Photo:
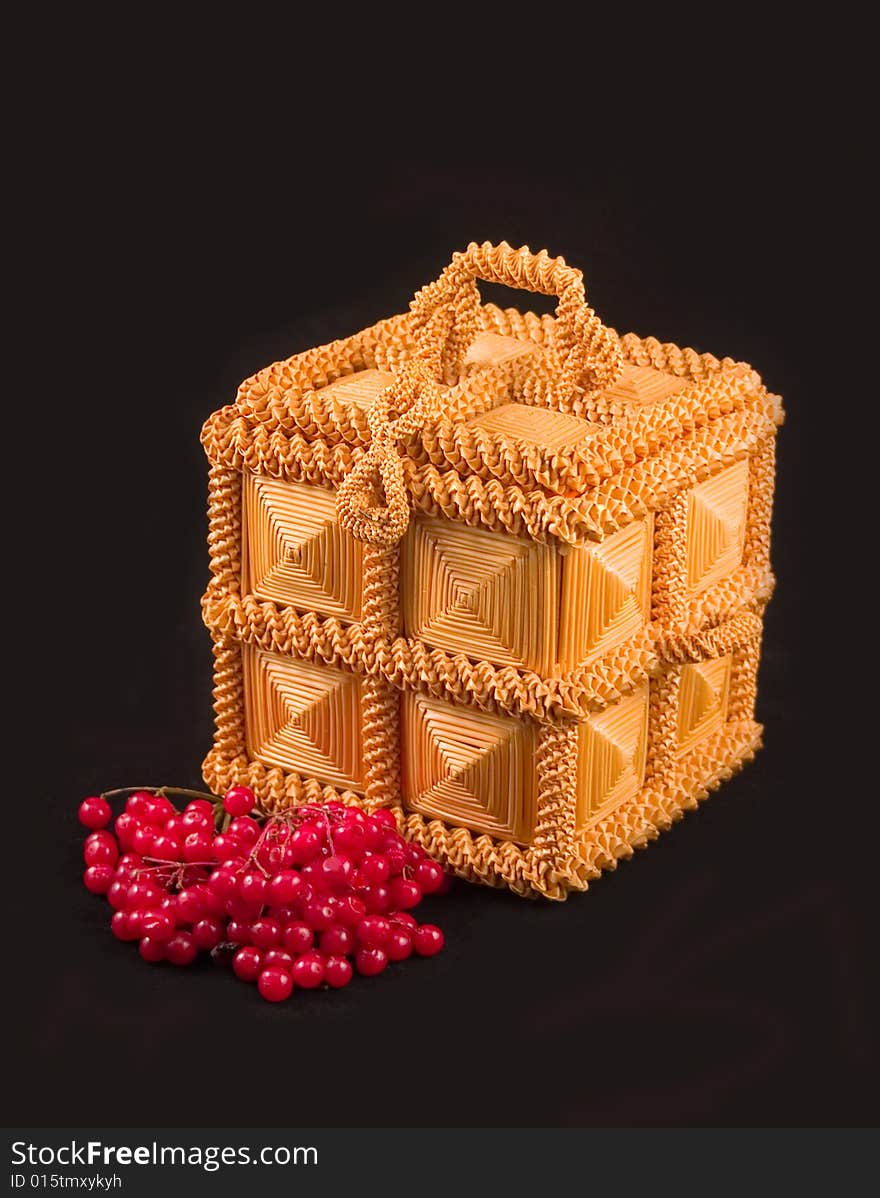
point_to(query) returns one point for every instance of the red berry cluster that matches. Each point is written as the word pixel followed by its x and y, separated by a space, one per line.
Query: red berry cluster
pixel 292 900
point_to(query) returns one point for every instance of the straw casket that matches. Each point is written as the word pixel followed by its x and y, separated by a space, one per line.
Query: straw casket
pixel 503 572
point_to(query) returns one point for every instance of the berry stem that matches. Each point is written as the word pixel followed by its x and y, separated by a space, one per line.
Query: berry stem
pixel 163 790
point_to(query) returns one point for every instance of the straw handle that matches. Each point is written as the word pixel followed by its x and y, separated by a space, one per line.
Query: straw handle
pixel 446 315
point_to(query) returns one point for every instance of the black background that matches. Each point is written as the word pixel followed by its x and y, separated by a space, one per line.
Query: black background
pixel 193 225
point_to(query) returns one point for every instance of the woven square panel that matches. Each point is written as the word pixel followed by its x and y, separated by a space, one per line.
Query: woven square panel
pixel 606 593
pixel 473 592
pixel 702 701
pixel 296 552
pixel 716 525
pixel 611 757
pixel 304 718
pixel 468 767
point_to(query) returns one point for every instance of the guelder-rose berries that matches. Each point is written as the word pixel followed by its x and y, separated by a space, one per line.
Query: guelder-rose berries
pixel 308 971
pixel 337 972
pixel 293 903
pixel 238 800
pixel 370 961
pixel 98 878
pixel 247 963
pixel 427 940
pixel 275 984
pixel 94 812
pixel 181 949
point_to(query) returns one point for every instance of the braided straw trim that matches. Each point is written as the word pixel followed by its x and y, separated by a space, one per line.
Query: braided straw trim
pixel 480 859
pixel 283 394
pixel 737 632
pixel 624 497
pixel 450 441
pixel 632 825
pixel 409 664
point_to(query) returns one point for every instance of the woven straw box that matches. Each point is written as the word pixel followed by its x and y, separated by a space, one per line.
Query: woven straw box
pixel 503 572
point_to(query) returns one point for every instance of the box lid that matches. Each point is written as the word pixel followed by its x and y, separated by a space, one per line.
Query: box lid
pixel 574 423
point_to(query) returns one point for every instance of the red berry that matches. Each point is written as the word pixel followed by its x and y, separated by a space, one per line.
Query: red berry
pixel 142 839
pixel 337 941
pixel 311 874
pixel 275 857
pixel 139 803
pixel 386 817
pixel 238 800
pixel 336 871
pixel 399 945
pixel 152 950
pixel 144 895
pixel 226 847
pixel 304 845
pixel 377 899
pixel 166 848
pixel 181 949
pixel 374 869
pixel 370 961
pixel 125 826
pixel 247 963
pixel 224 882
pixel 374 834
pixel 351 839
pixel 158 925
pixel 190 905
pixel 207 933
pixel 318 914
pixel 117 894
pixel 101 836
pixel 374 931
pixel 396 858
pixel 212 905
pixel 253 887
pixel 429 876
pixel 308 971
pixel 196 821
pixel 204 806
pixel 275 984
pixel 164 806
pixel 120 926
pixel 128 865
pixel 427 940
pixel 154 812
pixel 405 894
pixel 279 957
pixel 403 920
pixel 98 878
pixel 135 923
pixel 285 887
pixel 100 852
pixel 266 933
pixel 350 910
pixel 94 812
pixel 337 972
pixel 197 847
pixel 245 829
pixel 297 937
pixel 238 932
